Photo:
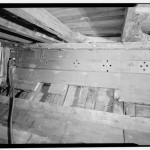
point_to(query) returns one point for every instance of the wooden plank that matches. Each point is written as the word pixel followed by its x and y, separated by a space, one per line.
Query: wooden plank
pixel 129 109
pixel 135 17
pixel 71 113
pixel 37 97
pixel 60 97
pixel 98 16
pixel 91 98
pixel 82 97
pixel 80 132
pixel 37 19
pixel 76 96
pixel 93 46
pixel 133 87
pixel 103 23
pixel 1 64
pixel 57 88
pixel 15 28
pixel 141 138
pixel 86 11
pixel 95 55
pixel 13 38
pixel 56 129
pixel 36 91
pixel 143 111
pixel 70 96
pixel 50 98
pixel 118 107
pixel 5 58
pixel 21 137
pixel 86 65
pixel 104 100
pixel 95 79
pixel 51 24
pixel 25 85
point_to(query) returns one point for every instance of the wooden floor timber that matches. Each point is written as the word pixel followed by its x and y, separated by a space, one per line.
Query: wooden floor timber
pixel 133 87
pixel 75 123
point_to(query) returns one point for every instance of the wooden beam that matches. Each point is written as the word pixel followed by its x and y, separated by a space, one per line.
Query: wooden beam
pixel 42 18
pixel 45 20
pixel 58 126
pixel 132 61
pixel 13 38
pixel 42 110
pixel 91 46
pixel 133 87
pixel 22 136
pixel 15 28
pixel 134 18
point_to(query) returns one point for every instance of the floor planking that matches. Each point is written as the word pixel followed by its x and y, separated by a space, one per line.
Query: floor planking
pixel 94 96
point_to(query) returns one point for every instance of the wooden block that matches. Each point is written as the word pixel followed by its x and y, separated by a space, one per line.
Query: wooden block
pixel 83 97
pixel 118 107
pixel 59 98
pixel 70 96
pixel 57 88
pixel 91 98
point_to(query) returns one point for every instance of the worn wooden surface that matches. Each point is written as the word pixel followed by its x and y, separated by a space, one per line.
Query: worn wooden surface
pixel 57 127
pixel 105 118
pixel 135 16
pixel 16 28
pixel 90 46
pixel 132 136
pixel 120 61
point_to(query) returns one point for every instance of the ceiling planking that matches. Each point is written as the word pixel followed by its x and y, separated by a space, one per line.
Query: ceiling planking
pixel 92 21
pixel 89 21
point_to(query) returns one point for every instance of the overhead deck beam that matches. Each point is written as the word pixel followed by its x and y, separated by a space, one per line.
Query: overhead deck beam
pixel 13 38
pixel 42 18
pixel 91 46
pixel 134 18
pixel 15 28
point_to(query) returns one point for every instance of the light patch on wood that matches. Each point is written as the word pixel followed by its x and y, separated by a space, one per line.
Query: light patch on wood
pixel 70 96
pixel 57 88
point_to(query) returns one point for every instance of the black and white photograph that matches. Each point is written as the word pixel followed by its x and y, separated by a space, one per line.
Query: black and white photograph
pixel 75 75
